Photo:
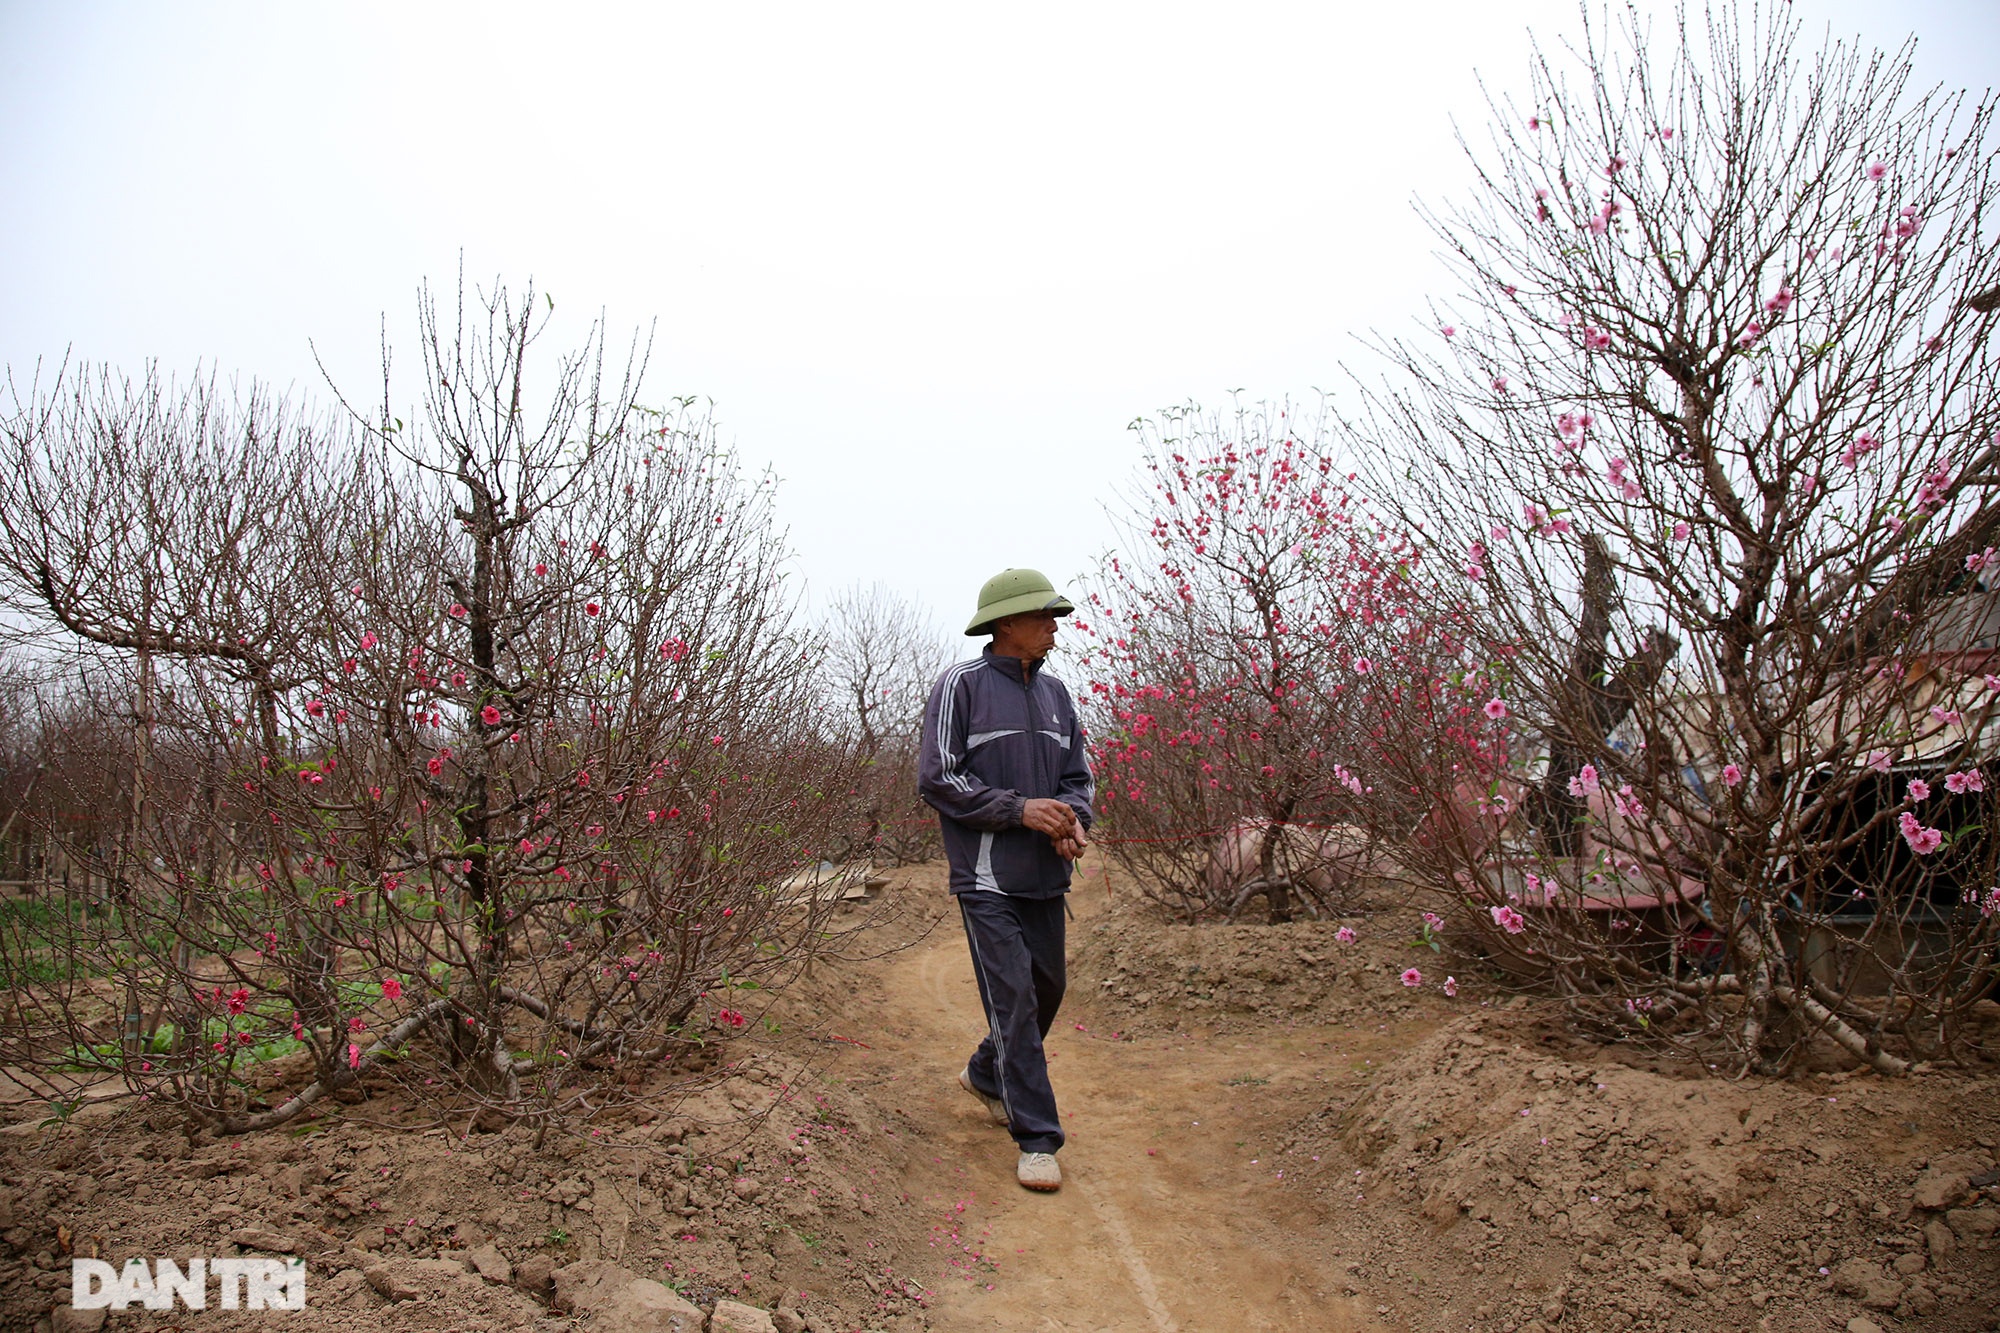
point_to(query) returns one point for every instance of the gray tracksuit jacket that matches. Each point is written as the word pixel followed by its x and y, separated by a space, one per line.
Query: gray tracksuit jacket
pixel 992 741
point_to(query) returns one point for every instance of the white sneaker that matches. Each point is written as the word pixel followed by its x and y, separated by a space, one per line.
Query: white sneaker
pixel 995 1108
pixel 1039 1171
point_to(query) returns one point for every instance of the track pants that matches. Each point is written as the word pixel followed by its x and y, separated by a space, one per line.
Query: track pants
pixel 1017 957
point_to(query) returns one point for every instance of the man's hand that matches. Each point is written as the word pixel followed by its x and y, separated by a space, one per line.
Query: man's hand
pixel 1051 817
pixel 1059 821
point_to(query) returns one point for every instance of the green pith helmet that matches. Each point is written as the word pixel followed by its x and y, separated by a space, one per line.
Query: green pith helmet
pixel 1012 592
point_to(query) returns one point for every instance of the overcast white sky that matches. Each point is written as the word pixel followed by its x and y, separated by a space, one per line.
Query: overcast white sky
pixel 929 261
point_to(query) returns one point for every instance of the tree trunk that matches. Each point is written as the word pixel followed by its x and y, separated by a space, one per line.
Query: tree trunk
pixel 1593 699
pixel 1277 889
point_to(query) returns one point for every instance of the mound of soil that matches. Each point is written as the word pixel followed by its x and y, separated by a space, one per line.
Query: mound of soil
pixel 756 1191
pixel 1583 1189
pixel 1506 1173
pixel 1144 973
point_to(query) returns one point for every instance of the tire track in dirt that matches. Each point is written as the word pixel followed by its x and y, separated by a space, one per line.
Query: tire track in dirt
pixel 1164 1224
pixel 1135 1264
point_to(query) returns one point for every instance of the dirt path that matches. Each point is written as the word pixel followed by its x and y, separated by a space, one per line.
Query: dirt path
pixel 1287 1138
pixel 1167 1222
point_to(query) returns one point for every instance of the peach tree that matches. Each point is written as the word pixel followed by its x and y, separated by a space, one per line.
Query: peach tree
pixel 491 728
pixel 1249 648
pixel 1708 432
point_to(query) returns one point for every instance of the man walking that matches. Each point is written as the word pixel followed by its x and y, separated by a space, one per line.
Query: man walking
pixel 1002 762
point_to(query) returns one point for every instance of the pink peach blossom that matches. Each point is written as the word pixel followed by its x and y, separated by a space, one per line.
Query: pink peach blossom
pixel 1865 442
pixel 1923 841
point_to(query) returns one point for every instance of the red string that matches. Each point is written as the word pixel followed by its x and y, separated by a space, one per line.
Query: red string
pixel 1208 833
